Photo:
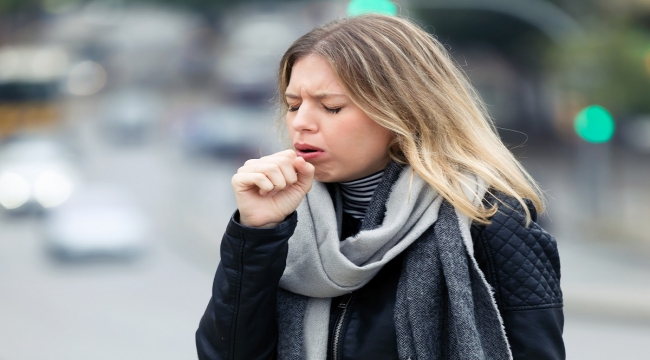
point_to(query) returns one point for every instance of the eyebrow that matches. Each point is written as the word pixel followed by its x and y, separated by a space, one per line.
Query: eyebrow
pixel 317 96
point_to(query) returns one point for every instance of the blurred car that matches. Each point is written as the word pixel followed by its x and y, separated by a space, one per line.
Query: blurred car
pixel 36 174
pixel 131 115
pixel 97 221
pixel 253 45
pixel 228 132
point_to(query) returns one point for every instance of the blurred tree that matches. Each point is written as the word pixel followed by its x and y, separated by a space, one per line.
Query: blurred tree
pixel 7 6
pixel 207 4
pixel 196 4
pixel 606 67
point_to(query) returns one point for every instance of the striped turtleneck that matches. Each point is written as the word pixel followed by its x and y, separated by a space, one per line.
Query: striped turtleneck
pixel 358 193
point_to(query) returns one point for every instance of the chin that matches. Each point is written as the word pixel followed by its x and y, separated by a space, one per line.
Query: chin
pixel 325 177
pixel 322 178
pixel 333 174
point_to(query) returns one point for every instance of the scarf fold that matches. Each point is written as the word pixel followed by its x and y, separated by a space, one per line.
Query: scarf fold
pixel 444 307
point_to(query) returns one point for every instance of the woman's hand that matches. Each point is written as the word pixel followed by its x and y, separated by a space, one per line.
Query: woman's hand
pixel 268 189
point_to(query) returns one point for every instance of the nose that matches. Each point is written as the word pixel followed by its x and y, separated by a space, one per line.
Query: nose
pixel 303 119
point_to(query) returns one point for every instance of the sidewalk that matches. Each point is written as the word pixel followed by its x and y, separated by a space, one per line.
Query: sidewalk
pixel 602 281
pixel 605 253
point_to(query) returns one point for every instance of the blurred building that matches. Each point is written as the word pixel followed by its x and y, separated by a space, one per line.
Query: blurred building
pixel 537 63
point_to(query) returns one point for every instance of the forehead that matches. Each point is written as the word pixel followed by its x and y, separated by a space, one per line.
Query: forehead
pixel 312 73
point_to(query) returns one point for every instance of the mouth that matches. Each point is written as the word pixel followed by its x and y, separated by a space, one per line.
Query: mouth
pixel 307 151
pixel 306 148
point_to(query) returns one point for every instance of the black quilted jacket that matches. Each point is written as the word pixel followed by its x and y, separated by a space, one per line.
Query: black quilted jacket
pixel 523 266
pixel 521 263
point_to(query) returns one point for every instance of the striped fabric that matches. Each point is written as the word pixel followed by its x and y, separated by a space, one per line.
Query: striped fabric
pixel 357 194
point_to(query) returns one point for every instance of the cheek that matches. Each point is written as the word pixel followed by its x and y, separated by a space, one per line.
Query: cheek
pixel 370 134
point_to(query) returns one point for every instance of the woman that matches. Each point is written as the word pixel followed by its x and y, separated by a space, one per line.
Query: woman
pixel 397 227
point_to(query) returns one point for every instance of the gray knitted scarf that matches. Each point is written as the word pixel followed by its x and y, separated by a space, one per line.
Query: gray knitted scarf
pixel 444 307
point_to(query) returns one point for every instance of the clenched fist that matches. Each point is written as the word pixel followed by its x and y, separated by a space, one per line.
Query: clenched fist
pixel 268 189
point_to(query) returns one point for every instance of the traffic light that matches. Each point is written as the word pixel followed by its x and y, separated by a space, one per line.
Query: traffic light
pixel 594 124
pixel 358 7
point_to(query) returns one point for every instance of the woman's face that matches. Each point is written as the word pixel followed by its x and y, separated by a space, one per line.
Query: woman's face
pixel 327 129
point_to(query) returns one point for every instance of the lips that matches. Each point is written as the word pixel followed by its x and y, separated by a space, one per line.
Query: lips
pixel 307 151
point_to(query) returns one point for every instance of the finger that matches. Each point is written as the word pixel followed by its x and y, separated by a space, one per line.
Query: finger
pixel 305 173
pixel 284 160
pixel 250 162
pixel 286 165
pixel 289 152
pixel 244 182
pixel 248 167
pixel 272 172
pixel 284 153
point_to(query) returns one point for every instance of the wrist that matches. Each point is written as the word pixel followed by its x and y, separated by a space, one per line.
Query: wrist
pixel 265 226
pixel 256 225
pixel 289 221
pixel 252 223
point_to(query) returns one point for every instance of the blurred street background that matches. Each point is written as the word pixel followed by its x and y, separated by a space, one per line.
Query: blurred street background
pixel 122 122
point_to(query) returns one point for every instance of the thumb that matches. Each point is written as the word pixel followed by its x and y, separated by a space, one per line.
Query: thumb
pixel 305 172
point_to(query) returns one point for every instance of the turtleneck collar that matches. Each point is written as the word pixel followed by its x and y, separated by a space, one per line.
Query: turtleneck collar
pixel 358 193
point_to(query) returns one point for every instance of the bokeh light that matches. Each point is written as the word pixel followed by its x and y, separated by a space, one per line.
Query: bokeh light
pixel 14 190
pixel 86 78
pixel 358 7
pixel 594 124
pixel 52 188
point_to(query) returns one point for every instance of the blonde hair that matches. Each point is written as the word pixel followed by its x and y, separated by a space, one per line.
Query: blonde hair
pixel 406 81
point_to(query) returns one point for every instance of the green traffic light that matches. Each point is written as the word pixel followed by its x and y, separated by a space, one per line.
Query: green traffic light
pixel 594 124
pixel 358 7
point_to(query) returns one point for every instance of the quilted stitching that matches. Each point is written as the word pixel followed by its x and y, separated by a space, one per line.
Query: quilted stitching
pixel 526 263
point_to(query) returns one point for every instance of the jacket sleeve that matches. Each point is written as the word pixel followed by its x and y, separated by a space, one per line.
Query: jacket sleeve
pixel 523 266
pixel 240 319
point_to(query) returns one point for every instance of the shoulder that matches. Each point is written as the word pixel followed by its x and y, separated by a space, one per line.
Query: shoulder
pixel 521 262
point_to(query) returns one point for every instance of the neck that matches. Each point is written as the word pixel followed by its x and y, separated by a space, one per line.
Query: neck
pixel 358 193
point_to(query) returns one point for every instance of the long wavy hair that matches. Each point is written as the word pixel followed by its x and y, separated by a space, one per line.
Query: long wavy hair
pixel 407 82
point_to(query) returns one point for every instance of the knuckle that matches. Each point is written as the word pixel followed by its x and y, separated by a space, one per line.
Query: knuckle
pixel 261 168
pixel 288 154
pixel 237 179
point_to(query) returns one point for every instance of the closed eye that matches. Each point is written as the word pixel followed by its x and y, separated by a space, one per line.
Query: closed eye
pixel 332 110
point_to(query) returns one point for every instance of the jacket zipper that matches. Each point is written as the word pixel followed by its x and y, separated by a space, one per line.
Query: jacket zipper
pixel 339 325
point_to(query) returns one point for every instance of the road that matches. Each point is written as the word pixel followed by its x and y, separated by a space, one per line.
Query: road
pixel 145 309
pixel 150 308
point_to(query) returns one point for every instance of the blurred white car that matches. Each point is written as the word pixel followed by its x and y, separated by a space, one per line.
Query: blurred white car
pixel 36 174
pixel 229 132
pixel 97 221
pixel 131 115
